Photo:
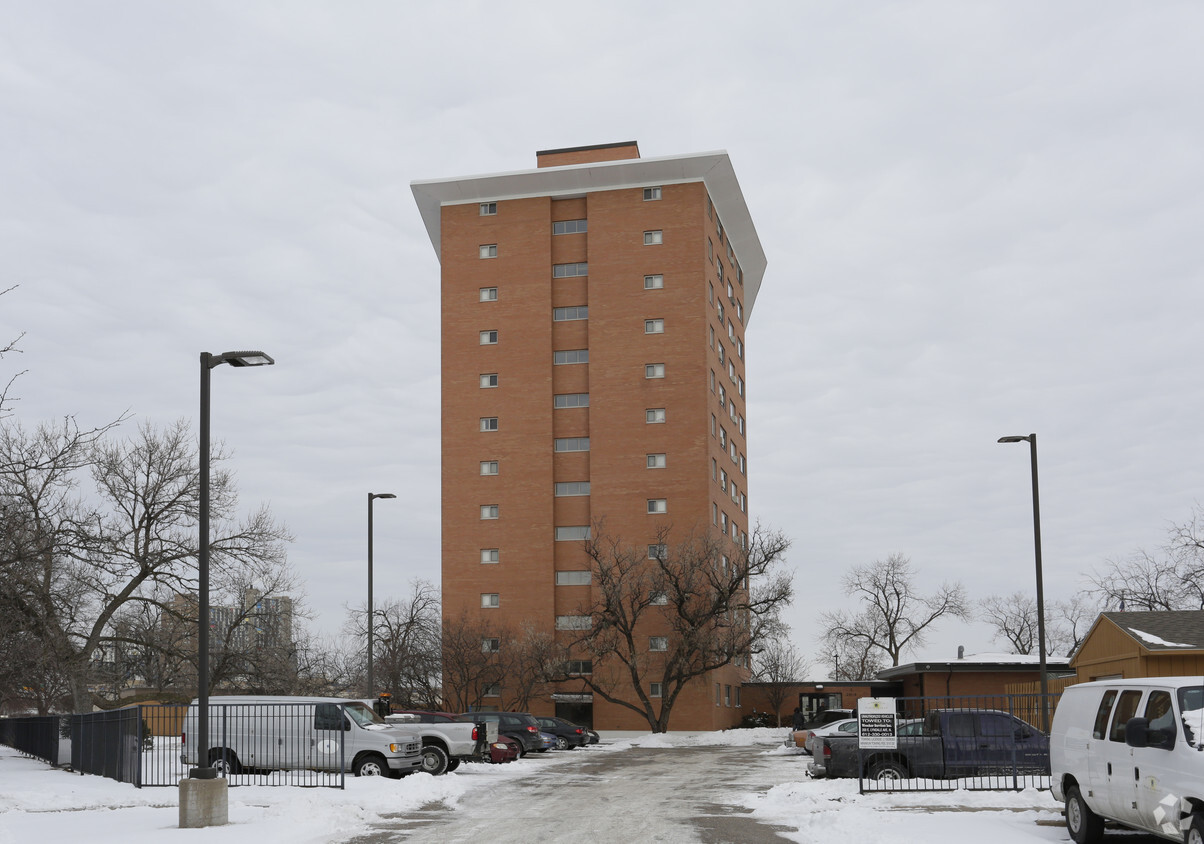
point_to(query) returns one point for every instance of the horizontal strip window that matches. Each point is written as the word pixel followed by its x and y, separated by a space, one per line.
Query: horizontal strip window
pixel 572 578
pixel 568 356
pixel 579 666
pixel 572 488
pixel 569 270
pixel 568 227
pixel 569 314
pixel 570 400
pixel 571 444
pixel 572 533
pixel 573 622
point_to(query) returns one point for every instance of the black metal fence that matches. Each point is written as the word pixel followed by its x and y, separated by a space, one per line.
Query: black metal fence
pixel 977 743
pixel 36 736
pixel 147 745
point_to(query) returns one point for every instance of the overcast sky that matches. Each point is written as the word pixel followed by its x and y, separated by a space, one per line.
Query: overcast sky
pixel 981 219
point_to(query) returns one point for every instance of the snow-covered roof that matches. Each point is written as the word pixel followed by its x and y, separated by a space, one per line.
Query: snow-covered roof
pixel 1162 630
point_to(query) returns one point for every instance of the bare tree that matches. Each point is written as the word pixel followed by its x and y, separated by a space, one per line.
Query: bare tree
pixel 779 664
pixel 708 600
pixel 1070 622
pixel 406 647
pixel 1171 579
pixel 852 659
pixel 894 617
pixel 1014 618
pixel 10 348
pixel 79 564
pixel 472 662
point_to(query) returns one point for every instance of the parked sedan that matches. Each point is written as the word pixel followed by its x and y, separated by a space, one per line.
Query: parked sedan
pixel 547 742
pixel 847 727
pixel 520 726
pixel 505 749
pixel 568 736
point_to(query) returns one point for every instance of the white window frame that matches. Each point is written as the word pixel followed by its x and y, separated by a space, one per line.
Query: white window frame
pixel 654 416
pixel 570 314
pixel 654 237
pixel 488 294
pixel 489 424
pixel 569 227
pixel 652 194
pixel 572 533
pixel 570 357
pixel 656 460
pixel 570 489
pixel 488 250
pixel 492 690
pixel 561 445
pixel 489 556
pixel 573 622
pixel 654 370
pixel 658 506
pixel 491 600
pixel 577 269
pixel 658 551
pixel 654 326
pixel 489 512
pixel 488 380
pixel 658 644
pixel 655 689
pixel 488 209
pixel 490 644
pixel 489 337
pixel 654 282
pixel 564 401
pixel 573 578
pixel 489 467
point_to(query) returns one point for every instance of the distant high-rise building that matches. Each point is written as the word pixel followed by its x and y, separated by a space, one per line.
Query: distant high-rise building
pixel 593 316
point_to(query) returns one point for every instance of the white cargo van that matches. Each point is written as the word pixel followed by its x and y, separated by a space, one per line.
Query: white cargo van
pixel 269 733
pixel 1131 751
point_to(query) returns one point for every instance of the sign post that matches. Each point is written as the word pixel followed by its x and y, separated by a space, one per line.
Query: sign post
pixel 876 724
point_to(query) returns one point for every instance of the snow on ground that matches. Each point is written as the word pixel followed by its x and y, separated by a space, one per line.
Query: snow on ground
pixel 38 803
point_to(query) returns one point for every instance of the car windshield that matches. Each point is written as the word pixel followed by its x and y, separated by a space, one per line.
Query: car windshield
pixel 1191 707
pixel 362 715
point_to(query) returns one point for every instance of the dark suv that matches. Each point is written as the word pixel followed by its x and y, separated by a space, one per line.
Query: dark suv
pixel 520 726
pixel 568 736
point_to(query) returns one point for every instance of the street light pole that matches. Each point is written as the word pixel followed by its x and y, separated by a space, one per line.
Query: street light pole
pixel 1032 442
pixel 208 361
pixel 371 497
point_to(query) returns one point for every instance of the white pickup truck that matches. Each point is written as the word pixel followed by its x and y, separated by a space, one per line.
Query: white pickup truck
pixel 446 739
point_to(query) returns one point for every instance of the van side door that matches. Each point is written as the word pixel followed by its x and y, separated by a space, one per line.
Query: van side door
pixel 1158 787
pixel 1117 757
pixel 328 738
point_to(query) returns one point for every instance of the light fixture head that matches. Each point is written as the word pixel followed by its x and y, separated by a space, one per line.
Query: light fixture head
pixel 381 495
pixel 244 359
pixel 1013 439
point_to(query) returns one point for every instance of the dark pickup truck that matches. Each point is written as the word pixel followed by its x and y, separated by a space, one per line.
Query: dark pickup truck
pixel 953 743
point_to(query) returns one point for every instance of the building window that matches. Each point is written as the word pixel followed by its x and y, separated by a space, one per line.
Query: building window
pixel 488 209
pixel 488 294
pixel 568 314
pixel 722 437
pixel 489 511
pixel 731 450
pixel 713 424
pixel 491 645
pixel 573 622
pixel 658 599
pixel 654 370
pixel 570 270
pixel 654 690
pixel 719 312
pixel 490 600
pixel 710 251
pixel 717 688
pixel 570 356
pixel 564 400
pixel 658 505
pixel 488 467
pixel 568 227
pixel 737 697
pixel 488 423
pixel 658 643
pixel 654 415
pixel 657 552
pixel 652 193
pixel 723 521
pixel 656 461
pixel 654 326
pixel 489 250
pixel 742 472
pixel 722 392
pixel 489 338
pixel 579 666
pixel 654 282
pixel 492 690
pixel 654 238
pixel 572 533
pixel 490 555
pixel 572 488
pixel 571 444
pixel 711 340
pixel 572 578
pixel 727 695
pixel 488 379
pixel 723 480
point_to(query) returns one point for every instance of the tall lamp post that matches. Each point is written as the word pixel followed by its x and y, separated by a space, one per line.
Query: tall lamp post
pixel 372 496
pixel 208 361
pixel 1032 442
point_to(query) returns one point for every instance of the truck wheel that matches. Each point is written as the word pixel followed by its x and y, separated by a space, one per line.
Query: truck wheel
pixel 452 764
pixel 1195 833
pixel 1086 827
pixel 224 762
pixel 888 770
pixel 372 765
pixel 434 760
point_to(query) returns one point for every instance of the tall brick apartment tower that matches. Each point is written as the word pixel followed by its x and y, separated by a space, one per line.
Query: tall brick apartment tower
pixel 593 314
